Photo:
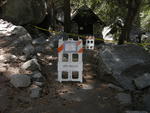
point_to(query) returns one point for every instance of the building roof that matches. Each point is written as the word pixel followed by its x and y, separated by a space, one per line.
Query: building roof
pixel 85 14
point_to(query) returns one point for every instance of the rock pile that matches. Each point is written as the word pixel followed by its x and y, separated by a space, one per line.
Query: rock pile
pixel 23 49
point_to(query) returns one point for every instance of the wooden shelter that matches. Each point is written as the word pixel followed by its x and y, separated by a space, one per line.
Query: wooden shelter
pixel 85 18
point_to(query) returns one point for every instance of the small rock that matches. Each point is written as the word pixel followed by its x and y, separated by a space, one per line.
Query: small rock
pixel 35 91
pixel 29 50
pixel 136 112
pixel 22 58
pixel 20 80
pixel 87 86
pixel 31 65
pixel 124 98
pixel 142 81
pixel 37 74
pixel 38 77
pixel 115 87
pixel 39 41
pixel 40 84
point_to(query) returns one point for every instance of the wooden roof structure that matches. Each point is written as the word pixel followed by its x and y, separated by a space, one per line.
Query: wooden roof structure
pixel 85 15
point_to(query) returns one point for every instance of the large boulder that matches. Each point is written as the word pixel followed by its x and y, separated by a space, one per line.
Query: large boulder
pixel 123 63
pixel 24 11
pixel 16 38
pixel 15 34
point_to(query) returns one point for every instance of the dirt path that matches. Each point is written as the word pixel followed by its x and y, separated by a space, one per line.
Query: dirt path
pixel 91 96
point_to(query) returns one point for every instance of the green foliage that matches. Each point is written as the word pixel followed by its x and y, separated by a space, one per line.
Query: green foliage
pixel 106 10
pixel 109 10
pixel 145 17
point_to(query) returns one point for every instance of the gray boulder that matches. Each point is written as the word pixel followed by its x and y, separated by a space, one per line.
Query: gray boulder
pixel 17 35
pixel 38 77
pixel 24 11
pixel 20 80
pixel 123 63
pixel 31 65
pixel 142 81
pixel 40 84
pixel 35 91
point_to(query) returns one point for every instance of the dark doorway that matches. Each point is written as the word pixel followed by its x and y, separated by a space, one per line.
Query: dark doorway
pixel 86 29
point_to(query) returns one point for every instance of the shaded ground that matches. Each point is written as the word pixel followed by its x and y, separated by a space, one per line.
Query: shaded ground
pixel 92 96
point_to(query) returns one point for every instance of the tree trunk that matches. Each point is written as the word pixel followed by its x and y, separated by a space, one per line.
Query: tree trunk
pixel 53 16
pixel 51 13
pixel 133 8
pixel 67 18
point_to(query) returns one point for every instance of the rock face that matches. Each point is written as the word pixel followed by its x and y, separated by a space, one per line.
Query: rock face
pixel 124 63
pixel 24 11
pixel 8 29
pixel 20 80
pixel 143 81
pixel 17 35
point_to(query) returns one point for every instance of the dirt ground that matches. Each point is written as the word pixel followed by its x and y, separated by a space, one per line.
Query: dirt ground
pixel 91 96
